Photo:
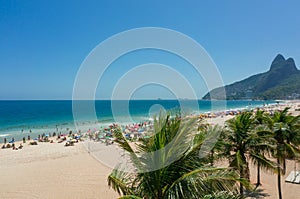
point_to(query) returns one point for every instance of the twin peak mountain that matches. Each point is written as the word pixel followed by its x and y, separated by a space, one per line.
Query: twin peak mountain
pixel 282 81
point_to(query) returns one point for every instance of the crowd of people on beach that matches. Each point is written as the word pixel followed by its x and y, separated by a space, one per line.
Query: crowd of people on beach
pixel 69 140
pixel 133 131
pixel 12 145
pixel 103 134
pixel 266 107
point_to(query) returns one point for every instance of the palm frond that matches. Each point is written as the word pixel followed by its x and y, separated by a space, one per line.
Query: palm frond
pixel 223 195
pixel 120 181
pixel 169 165
pixel 263 162
pixel 204 181
pixel 130 197
pixel 292 151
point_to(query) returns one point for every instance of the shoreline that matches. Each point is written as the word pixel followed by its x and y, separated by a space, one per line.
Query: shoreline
pixel 85 125
pixel 51 170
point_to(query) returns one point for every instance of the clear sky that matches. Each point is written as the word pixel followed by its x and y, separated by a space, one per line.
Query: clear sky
pixel 43 43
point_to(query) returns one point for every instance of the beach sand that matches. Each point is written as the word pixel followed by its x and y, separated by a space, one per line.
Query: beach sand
pixel 269 183
pixel 50 170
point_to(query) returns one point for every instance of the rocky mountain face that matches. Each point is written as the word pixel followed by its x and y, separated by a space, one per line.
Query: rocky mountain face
pixel 282 81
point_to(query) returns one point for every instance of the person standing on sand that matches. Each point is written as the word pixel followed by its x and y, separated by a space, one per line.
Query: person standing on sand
pixel 4 140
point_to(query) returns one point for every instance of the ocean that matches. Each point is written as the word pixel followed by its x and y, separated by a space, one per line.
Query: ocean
pixel 32 117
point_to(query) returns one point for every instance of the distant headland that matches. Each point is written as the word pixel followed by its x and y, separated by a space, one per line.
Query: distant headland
pixel 282 81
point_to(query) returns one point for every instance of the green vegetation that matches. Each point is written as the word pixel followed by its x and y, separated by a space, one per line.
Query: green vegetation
pixel 284 134
pixel 242 144
pixel 169 165
pixel 186 176
pixel 282 81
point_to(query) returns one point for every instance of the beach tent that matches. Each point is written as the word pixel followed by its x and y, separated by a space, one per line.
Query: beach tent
pixel 293 177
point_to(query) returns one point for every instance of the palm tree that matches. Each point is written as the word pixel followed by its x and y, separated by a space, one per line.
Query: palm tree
pixel 242 143
pixel 212 145
pixel 169 166
pixel 263 146
pixel 284 129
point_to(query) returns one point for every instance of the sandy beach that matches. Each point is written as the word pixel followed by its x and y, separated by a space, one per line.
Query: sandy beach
pixel 133 99
pixel 269 183
pixel 50 170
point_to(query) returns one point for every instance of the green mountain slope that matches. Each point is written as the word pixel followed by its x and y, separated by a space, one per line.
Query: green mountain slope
pixel 280 82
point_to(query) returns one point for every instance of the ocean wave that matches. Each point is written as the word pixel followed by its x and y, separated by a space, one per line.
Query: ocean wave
pixel 4 135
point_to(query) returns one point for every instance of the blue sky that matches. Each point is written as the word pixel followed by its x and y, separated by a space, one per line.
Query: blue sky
pixel 43 43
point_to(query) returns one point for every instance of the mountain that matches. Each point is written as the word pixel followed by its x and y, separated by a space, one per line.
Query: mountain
pixel 282 81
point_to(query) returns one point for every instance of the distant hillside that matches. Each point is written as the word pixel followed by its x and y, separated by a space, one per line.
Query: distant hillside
pixel 282 81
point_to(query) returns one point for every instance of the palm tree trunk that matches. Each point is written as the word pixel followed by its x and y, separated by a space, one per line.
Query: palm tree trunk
pixel 279 179
pixel 258 175
pixel 241 189
pixel 284 166
pixel 247 172
pixel 241 185
pixel 212 158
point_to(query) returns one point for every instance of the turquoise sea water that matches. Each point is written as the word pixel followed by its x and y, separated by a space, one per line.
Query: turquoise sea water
pixel 21 118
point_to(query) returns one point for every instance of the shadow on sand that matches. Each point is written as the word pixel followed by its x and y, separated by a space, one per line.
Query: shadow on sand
pixel 257 193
